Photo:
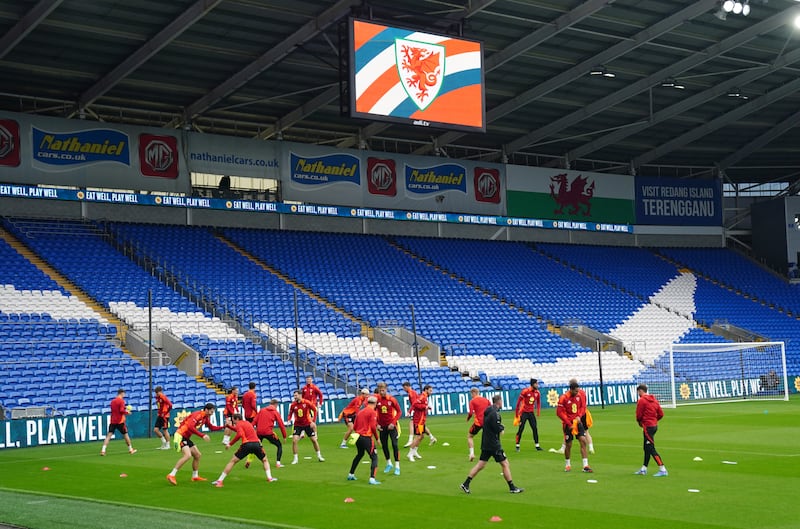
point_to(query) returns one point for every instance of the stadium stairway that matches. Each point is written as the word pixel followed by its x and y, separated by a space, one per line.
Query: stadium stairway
pixel 67 286
pixel 366 330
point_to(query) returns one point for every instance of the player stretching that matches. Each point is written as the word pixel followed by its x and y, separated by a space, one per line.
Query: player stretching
pixel 420 410
pixel 265 422
pixel 250 446
pixel 648 413
pixel 231 407
pixel 366 426
pixel 191 426
pixel 349 414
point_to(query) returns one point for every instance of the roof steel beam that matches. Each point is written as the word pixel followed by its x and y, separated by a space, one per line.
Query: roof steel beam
pixel 306 109
pixel 631 90
pixel 687 104
pixel 775 132
pixel 170 32
pixel 565 77
pixel 272 56
pixel 26 24
pixel 729 117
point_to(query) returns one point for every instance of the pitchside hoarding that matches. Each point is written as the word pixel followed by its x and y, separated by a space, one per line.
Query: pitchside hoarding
pixel 21 433
pixel 226 155
pixel 44 150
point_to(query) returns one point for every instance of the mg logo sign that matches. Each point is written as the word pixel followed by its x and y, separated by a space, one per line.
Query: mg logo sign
pixel 487 185
pixel 9 143
pixel 158 156
pixel 381 177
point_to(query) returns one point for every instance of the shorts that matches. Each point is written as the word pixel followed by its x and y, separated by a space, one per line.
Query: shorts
pixel 350 419
pixel 161 422
pixel 251 448
pixel 498 455
pixel 272 437
pixel 475 429
pixel 569 436
pixel 120 427
pixel 419 428
pixel 300 429
pixel 186 443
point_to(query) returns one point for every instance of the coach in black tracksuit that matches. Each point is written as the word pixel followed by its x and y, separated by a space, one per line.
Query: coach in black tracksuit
pixel 491 447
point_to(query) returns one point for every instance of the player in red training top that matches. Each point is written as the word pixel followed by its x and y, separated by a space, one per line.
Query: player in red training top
pixel 529 406
pixel 477 405
pixel 231 407
pixel 250 403
pixel 163 407
pixel 118 413
pixel 250 446
pixel 266 419
pixel 412 397
pixel 420 410
pixel 571 406
pixel 648 413
pixel 183 437
pixel 311 392
pixel 366 426
pixel 249 410
pixel 301 412
pixel 389 413
pixel 349 412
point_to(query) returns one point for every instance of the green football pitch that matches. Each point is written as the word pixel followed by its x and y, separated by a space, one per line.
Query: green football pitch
pixel 733 465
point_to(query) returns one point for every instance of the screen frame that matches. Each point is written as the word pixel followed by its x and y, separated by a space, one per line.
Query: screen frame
pixel 413 121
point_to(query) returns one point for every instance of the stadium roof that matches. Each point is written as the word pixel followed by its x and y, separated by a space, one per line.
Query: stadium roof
pixel 271 69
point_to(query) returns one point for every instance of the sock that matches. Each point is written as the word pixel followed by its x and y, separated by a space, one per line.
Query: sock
pixel 585 462
pixel 319 453
pixel 662 468
pixel 511 485
pixel 174 472
pixel 467 481
pixel 643 469
pixel 222 477
pixel 195 473
pixel 567 463
pixel 269 474
pixel 471 452
pixel 226 439
pixel 591 447
pixel 397 464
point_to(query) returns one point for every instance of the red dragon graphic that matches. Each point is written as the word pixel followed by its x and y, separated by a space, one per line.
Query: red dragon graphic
pixel 574 194
pixel 424 68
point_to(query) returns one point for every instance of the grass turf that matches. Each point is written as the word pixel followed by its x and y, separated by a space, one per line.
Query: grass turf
pixel 83 490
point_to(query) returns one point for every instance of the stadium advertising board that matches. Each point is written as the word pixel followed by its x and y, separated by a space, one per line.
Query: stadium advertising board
pixel 54 151
pixel 565 195
pixel 324 175
pixel 256 206
pixel 674 202
pixel 417 78
pixel 225 155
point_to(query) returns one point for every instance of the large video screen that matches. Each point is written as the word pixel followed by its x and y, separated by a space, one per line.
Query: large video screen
pixel 408 76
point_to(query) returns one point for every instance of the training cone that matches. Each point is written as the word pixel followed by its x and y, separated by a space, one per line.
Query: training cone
pixel 349 500
pixel 495 519
pixel 123 475
pixel 45 468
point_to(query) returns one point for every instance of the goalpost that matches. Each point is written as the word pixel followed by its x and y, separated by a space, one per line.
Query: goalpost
pixel 703 373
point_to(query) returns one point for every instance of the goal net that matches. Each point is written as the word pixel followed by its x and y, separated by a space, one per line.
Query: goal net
pixel 701 373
